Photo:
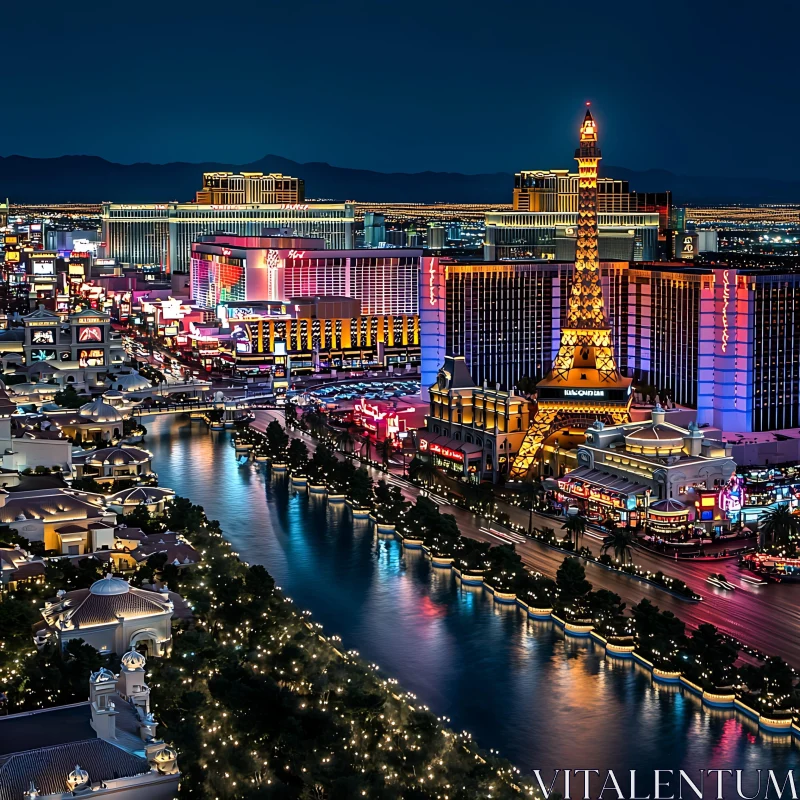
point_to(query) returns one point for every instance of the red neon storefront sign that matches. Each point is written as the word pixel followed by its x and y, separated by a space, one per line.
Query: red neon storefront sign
pixel 444 452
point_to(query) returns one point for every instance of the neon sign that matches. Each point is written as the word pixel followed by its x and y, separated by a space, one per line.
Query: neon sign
pixel 584 393
pixel 294 207
pixel 296 254
pixel 733 496
pixel 726 296
pixel 444 452
pixel 432 283
pixel 226 251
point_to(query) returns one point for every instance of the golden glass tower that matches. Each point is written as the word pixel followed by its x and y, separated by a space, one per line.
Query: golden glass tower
pixel 584 384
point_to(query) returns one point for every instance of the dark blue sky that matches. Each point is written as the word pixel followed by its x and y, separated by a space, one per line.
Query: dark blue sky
pixel 701 87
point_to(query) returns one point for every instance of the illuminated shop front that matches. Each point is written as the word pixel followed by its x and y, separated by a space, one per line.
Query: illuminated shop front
pixel 601 496
pixel 752 491
pixel 458 458
pixel 670 520
pixel 663 480
pixel 384 420
pixel 491 421
pixel 318 332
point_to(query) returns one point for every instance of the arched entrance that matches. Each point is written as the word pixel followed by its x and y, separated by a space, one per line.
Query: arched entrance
pixel 145 642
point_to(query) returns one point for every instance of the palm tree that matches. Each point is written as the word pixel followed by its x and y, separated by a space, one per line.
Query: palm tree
pixel 345 441
pixel 385 448
pixel 575 526
pixel 314 421
pixel 780 525
pixel 620 541
pixel 365 452
pixel 424 471
pixel 530 491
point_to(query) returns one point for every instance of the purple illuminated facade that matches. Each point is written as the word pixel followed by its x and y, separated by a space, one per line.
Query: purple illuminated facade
pixel 227 268
pixel 723 341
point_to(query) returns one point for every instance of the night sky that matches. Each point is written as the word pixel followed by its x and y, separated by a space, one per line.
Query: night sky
pixel 704 88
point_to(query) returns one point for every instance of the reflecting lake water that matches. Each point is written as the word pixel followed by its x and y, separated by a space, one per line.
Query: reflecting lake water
pixel 516 684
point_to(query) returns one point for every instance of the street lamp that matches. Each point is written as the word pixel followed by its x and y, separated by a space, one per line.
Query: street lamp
pixel 403 435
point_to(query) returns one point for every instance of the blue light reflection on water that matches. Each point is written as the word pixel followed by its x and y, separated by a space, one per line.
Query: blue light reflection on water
pixel 516 684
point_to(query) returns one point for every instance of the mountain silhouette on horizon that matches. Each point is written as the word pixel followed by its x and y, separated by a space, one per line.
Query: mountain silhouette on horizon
pixel 91 179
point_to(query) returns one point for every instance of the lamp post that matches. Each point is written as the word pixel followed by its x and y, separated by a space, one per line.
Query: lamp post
pixel 403 435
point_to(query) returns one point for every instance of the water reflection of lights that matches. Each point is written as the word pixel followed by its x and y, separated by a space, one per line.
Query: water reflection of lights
pixel 429 609
pixel 514 682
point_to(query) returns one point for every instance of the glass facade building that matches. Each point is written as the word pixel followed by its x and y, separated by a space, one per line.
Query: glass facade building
pixel 162 234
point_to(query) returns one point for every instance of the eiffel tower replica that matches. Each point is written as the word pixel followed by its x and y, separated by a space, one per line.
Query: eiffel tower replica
pixel 584 384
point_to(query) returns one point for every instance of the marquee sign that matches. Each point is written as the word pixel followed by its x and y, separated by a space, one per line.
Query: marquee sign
pixel 584 393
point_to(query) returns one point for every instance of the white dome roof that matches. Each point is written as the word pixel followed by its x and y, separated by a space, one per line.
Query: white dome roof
pixel 119 456
pixel 78 778
pixel 167 754
pixel 128 381
pixel 109 585
pixel 655 435
pixel 102 675
pixel 100 411
pixel 133 660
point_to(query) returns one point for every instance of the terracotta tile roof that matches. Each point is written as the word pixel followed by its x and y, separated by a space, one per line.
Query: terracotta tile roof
pixel 49 767
pixel 34 434
pixel 115 456
pixel 29 569
pixel 70 529
pixel 48 504
pixel 141 494
pixel 7 405
pixel 101 609
pixel 83 608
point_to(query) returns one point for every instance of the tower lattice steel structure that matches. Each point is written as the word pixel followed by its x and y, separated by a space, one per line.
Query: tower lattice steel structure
pixel 584 383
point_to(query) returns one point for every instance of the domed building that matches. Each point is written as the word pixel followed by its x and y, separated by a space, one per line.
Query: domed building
pixel 657 477
pixel 111 747
pixel 128 381
pixel 100 411
pixel 151 497
pixel 112 616
pixel 108 464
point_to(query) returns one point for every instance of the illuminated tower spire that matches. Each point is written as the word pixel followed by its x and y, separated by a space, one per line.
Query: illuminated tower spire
pixel 586 301
pixel 584 384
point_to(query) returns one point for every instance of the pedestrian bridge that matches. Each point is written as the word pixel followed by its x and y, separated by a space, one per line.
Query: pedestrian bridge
pixel 229 405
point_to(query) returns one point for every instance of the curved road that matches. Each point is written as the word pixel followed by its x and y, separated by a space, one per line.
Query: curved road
pixel 766 618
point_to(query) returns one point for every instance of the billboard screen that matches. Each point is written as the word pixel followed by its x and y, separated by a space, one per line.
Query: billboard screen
pixel 90 333
pixel 91 358
pixel 43 336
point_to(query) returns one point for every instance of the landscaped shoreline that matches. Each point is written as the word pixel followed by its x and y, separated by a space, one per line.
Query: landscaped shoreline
pixel 734 699
pixel 283 661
